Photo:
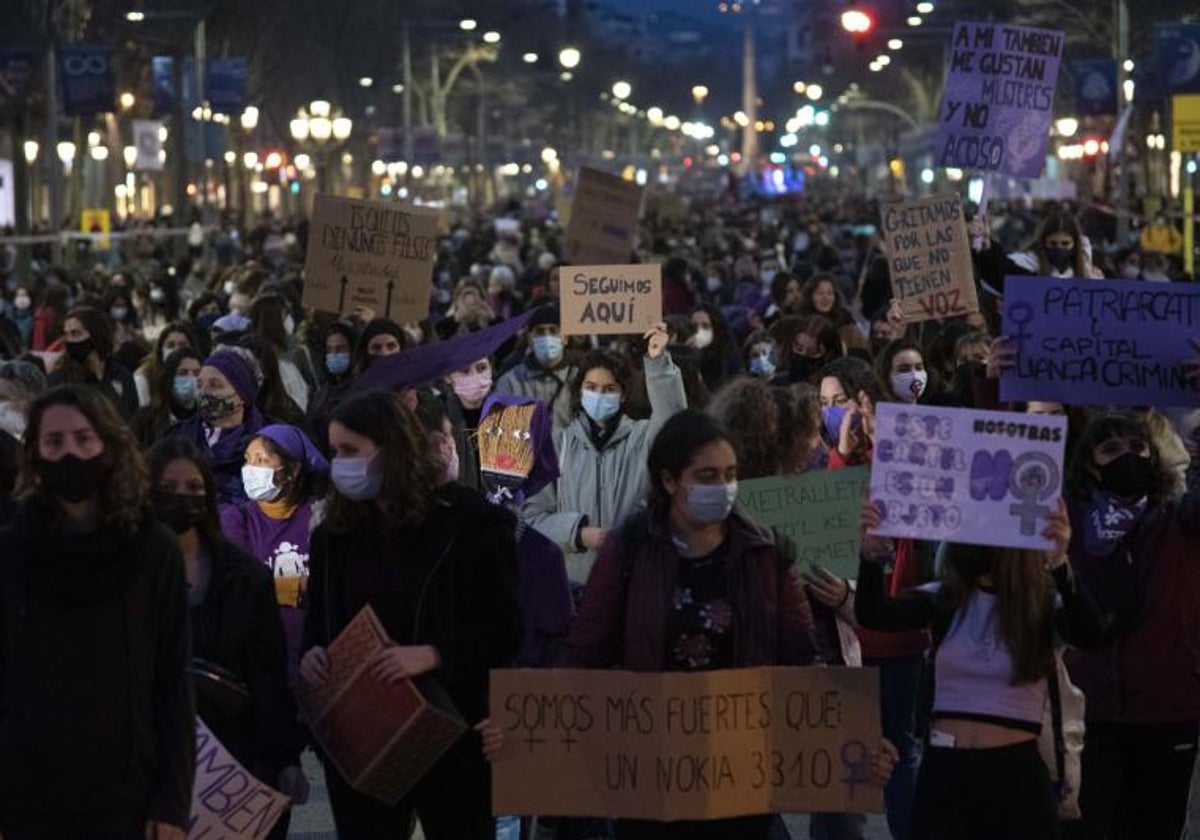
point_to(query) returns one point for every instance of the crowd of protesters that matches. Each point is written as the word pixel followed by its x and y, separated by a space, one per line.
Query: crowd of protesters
pixel 199 488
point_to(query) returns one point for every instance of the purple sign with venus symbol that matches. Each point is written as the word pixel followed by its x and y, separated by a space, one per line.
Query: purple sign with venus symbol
pixel 999 98
pixel 978 477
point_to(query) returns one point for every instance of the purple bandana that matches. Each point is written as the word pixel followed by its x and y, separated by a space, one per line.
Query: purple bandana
pixel 1109 521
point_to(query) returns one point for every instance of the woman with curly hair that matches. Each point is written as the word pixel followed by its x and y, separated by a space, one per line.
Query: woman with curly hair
pixel 436 562
pixel 97 728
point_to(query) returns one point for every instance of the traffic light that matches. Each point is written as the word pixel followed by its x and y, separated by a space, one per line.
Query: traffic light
pixel 860 23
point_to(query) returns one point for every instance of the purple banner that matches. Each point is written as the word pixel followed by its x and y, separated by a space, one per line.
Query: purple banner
pixel 431 361
pixel 999 98
pixel 1107 342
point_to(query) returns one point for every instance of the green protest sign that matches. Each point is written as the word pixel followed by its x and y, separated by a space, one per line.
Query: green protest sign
pixel 818 511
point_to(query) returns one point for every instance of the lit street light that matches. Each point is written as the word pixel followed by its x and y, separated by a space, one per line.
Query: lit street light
pixel 323 128
pixel 31 151
pixel 895 44
pixel 468 24
pixel 530 58
pixel 699 93
pixel 126 101
pixel 366 81
pixel 924 8
pixel 492 37
pixel 856 21
pixel 622 89
pixel 814 92
pixel 569 57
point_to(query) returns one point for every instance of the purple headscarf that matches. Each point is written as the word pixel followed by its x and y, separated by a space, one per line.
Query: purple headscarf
pixel 239 372
pixel 296 445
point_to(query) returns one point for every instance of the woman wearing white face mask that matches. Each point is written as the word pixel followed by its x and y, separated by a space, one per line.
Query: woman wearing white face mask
pixel 437 565
pixel 284 476
pixel 690 584
pixel 602 454
pixel 719 359
pixel 469 387
pixel 901 367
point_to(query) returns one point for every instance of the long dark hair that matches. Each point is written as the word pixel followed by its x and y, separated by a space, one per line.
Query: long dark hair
pixel 178 448
pixel 677 443
pixel 883 365
pixel 1059 219
pixel 267 314
pixel 126 483
pixel 162 389
pixel 411 469
pixel 1023 605
pixel 100 331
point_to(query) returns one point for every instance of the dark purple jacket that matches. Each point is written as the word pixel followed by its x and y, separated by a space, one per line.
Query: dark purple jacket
pixel 1149 671
pixel 622 622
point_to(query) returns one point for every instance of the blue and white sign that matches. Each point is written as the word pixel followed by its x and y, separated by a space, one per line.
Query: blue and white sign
pixel 88 85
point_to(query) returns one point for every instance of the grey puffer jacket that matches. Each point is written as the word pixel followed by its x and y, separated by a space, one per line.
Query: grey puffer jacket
pixel 603 485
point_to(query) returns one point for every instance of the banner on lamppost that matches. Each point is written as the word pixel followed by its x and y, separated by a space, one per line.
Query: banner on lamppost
pixel 1095 87
pixel 224 84
pixel 1177 57
pixel 88 84
pixel 17 66
pixel 147 139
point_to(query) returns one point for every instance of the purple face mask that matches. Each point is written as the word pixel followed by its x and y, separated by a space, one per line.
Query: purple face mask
pixel 832 416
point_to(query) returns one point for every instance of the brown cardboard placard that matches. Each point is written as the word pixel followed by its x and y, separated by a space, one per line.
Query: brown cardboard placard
pixel 673 746
pixel 603 220
pixel 610 299
pixel 377 254
pixel 382 737
pixel 929 257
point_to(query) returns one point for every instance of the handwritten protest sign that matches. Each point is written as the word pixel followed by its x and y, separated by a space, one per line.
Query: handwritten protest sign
pixel 610 299
pixel 227 801
pixel 603 219
pixel 377 254
pixel 929 257
pixel 1119 342
pixel 382 736
pixel 999 98
pixel 979 477
pixel 819 511
pixel 673 746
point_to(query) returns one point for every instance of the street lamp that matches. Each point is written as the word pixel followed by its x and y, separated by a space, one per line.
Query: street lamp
pixel 814 92
pixel 569 57
pixel 895 44
pixel 129 153
pixel 699 93
pixel 249 118
pixel 468 24
pixel 856 21
pixel 127 100
pixel 323 127
pixel 530 58
pixel 925 8
pixel 1066 127
pixel 492 37
pixel 622 90
pixel 366 81
pixel 31 151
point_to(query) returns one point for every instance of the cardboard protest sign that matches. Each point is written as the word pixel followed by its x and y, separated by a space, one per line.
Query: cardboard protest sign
pixel 1119 342
pixel 929 257
pixel 999 98
pixel 819 511
pixel 227 801
pixel 603 219
pixel 377 254
pixel 610 299
pixel 382 737
pixel 676 746
pixel 965 476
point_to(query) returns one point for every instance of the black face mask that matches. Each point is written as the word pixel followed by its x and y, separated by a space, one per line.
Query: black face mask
pixel 180 512
pixel 1060 259
pixel 80 350
pixel 72 478
pixel 1130 476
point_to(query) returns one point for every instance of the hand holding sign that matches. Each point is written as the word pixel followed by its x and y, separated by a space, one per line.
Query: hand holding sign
pixel 874 549
pixel 656 340
pixel 1058 531
pixel 1002 355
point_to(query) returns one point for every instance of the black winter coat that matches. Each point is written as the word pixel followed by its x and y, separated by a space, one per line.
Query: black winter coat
pixel 237 627
pixel 97 729
pixel 450 583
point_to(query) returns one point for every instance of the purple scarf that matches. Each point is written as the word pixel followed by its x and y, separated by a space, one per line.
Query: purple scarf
pixel 1108 521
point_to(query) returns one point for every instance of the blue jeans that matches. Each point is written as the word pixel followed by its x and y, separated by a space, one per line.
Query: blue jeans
pixel 899 684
